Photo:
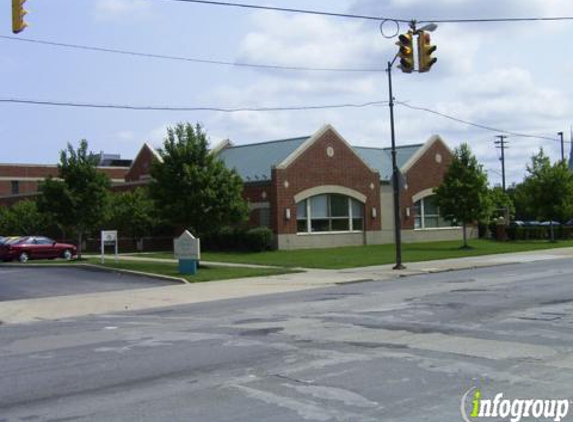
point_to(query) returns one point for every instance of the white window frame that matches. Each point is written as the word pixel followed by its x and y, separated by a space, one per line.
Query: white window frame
pixel 422 216
pixel 350 218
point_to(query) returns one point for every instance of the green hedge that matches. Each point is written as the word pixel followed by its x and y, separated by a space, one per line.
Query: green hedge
pixel 239 239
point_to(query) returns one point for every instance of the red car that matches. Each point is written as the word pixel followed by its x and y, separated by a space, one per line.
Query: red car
pixel 35 247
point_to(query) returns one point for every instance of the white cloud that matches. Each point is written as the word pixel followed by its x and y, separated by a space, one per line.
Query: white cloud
pixel 125 135
pixel 122 9
pixel 313 41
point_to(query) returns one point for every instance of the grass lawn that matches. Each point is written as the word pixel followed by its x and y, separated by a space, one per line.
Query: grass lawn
pixel 361 256
pixel 170 269
pixel 203 274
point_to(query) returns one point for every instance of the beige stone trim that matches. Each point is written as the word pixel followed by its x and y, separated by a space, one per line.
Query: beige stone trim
pixel 306 144
pixel 423 194
pixel 258 205
pixel 221 146
pixel 150 148
pixel 422 150
pixel 319 190
pixel 41 179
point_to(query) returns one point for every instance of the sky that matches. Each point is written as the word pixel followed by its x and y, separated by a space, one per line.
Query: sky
pixel 509 76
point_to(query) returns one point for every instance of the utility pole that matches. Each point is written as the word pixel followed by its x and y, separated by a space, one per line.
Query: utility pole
pixel 395 175
pixel 562 146
pixel 502 144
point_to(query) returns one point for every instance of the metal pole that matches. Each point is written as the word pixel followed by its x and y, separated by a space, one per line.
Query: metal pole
pixel 502 146
pixel 562 146
pixel 395 181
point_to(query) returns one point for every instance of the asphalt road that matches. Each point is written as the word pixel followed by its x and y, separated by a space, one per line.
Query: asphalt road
pixel 404 350
pixel 28 282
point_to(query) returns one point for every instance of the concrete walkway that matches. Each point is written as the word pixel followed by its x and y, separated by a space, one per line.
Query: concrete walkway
pixel 62 307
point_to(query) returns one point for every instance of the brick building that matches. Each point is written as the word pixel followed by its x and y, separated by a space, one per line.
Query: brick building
pixel 314 191
pixel 21 181
pixel 319 191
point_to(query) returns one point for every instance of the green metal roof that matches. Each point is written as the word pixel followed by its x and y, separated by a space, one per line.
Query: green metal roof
pixel 380 159
pixel 253 162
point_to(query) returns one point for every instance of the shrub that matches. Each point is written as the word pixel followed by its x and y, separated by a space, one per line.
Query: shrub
pixel 260 239
pixel 239 239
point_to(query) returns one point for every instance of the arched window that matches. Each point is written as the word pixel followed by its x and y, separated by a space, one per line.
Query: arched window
pixel 329 213
pixel 428 214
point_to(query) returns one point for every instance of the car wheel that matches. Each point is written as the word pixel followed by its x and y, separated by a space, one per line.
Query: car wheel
pixel 67 255
pixel 24 257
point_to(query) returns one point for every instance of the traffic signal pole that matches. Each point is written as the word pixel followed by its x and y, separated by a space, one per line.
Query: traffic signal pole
pixel 407 65
pixel 395 175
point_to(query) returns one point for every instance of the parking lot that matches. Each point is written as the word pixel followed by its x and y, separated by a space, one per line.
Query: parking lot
pixel 28 282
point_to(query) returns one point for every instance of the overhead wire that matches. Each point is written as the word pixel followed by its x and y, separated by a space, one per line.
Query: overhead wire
pixel 171 108
pixel 186 59
pixel 266 109
pixel 371 17
pixel 292 10
pixel 478 125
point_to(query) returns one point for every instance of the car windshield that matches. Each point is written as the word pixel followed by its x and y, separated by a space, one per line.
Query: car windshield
pixel 44 241
pixel 18 240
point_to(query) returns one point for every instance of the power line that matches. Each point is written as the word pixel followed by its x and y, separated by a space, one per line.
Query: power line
pixel 498 20
pixel 186 59
pixel 169 108
pixel 375 18
pixel 290 10
pixel 490 128
pixel 261 109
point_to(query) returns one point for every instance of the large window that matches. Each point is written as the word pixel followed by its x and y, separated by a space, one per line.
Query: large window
pixel 428 214
pixel 329 213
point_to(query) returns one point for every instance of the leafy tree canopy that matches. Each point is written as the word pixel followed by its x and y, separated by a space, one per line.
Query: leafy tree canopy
pixel 79 199
pixel 463 195
pixel 191 187
pixel 132 213
pixel 547 190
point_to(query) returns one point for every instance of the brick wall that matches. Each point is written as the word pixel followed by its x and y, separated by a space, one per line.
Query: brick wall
pixel 315 168
pixel 26 173
pixel 141 166
pixel 426 173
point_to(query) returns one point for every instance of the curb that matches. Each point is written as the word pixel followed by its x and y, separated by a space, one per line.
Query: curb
pixel 100 268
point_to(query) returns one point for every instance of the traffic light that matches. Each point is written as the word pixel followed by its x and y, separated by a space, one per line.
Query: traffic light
pixel 18 14
pixel 425 50
pixel 406 52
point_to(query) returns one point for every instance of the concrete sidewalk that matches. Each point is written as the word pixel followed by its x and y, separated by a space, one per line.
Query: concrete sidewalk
pixel 61 307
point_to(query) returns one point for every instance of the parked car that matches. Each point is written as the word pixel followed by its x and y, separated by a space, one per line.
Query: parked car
pixel 35 247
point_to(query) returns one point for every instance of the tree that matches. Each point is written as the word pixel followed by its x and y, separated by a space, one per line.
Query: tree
pixel 501 204
pixel 79 199
pixel 547 190
pixel 192 189
pixel 22 218
pixel 132 213
pixel 463 195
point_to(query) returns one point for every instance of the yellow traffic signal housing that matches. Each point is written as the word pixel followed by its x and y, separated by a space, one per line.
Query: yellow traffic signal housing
pixel 406 52
pixel 18 14
pixel 425 50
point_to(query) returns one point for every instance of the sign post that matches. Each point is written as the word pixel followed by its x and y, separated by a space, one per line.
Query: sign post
pixel 187 250
pixel 108 237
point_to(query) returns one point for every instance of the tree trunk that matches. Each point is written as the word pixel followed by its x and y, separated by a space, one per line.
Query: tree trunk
pixel 464 231
pixel 80 239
